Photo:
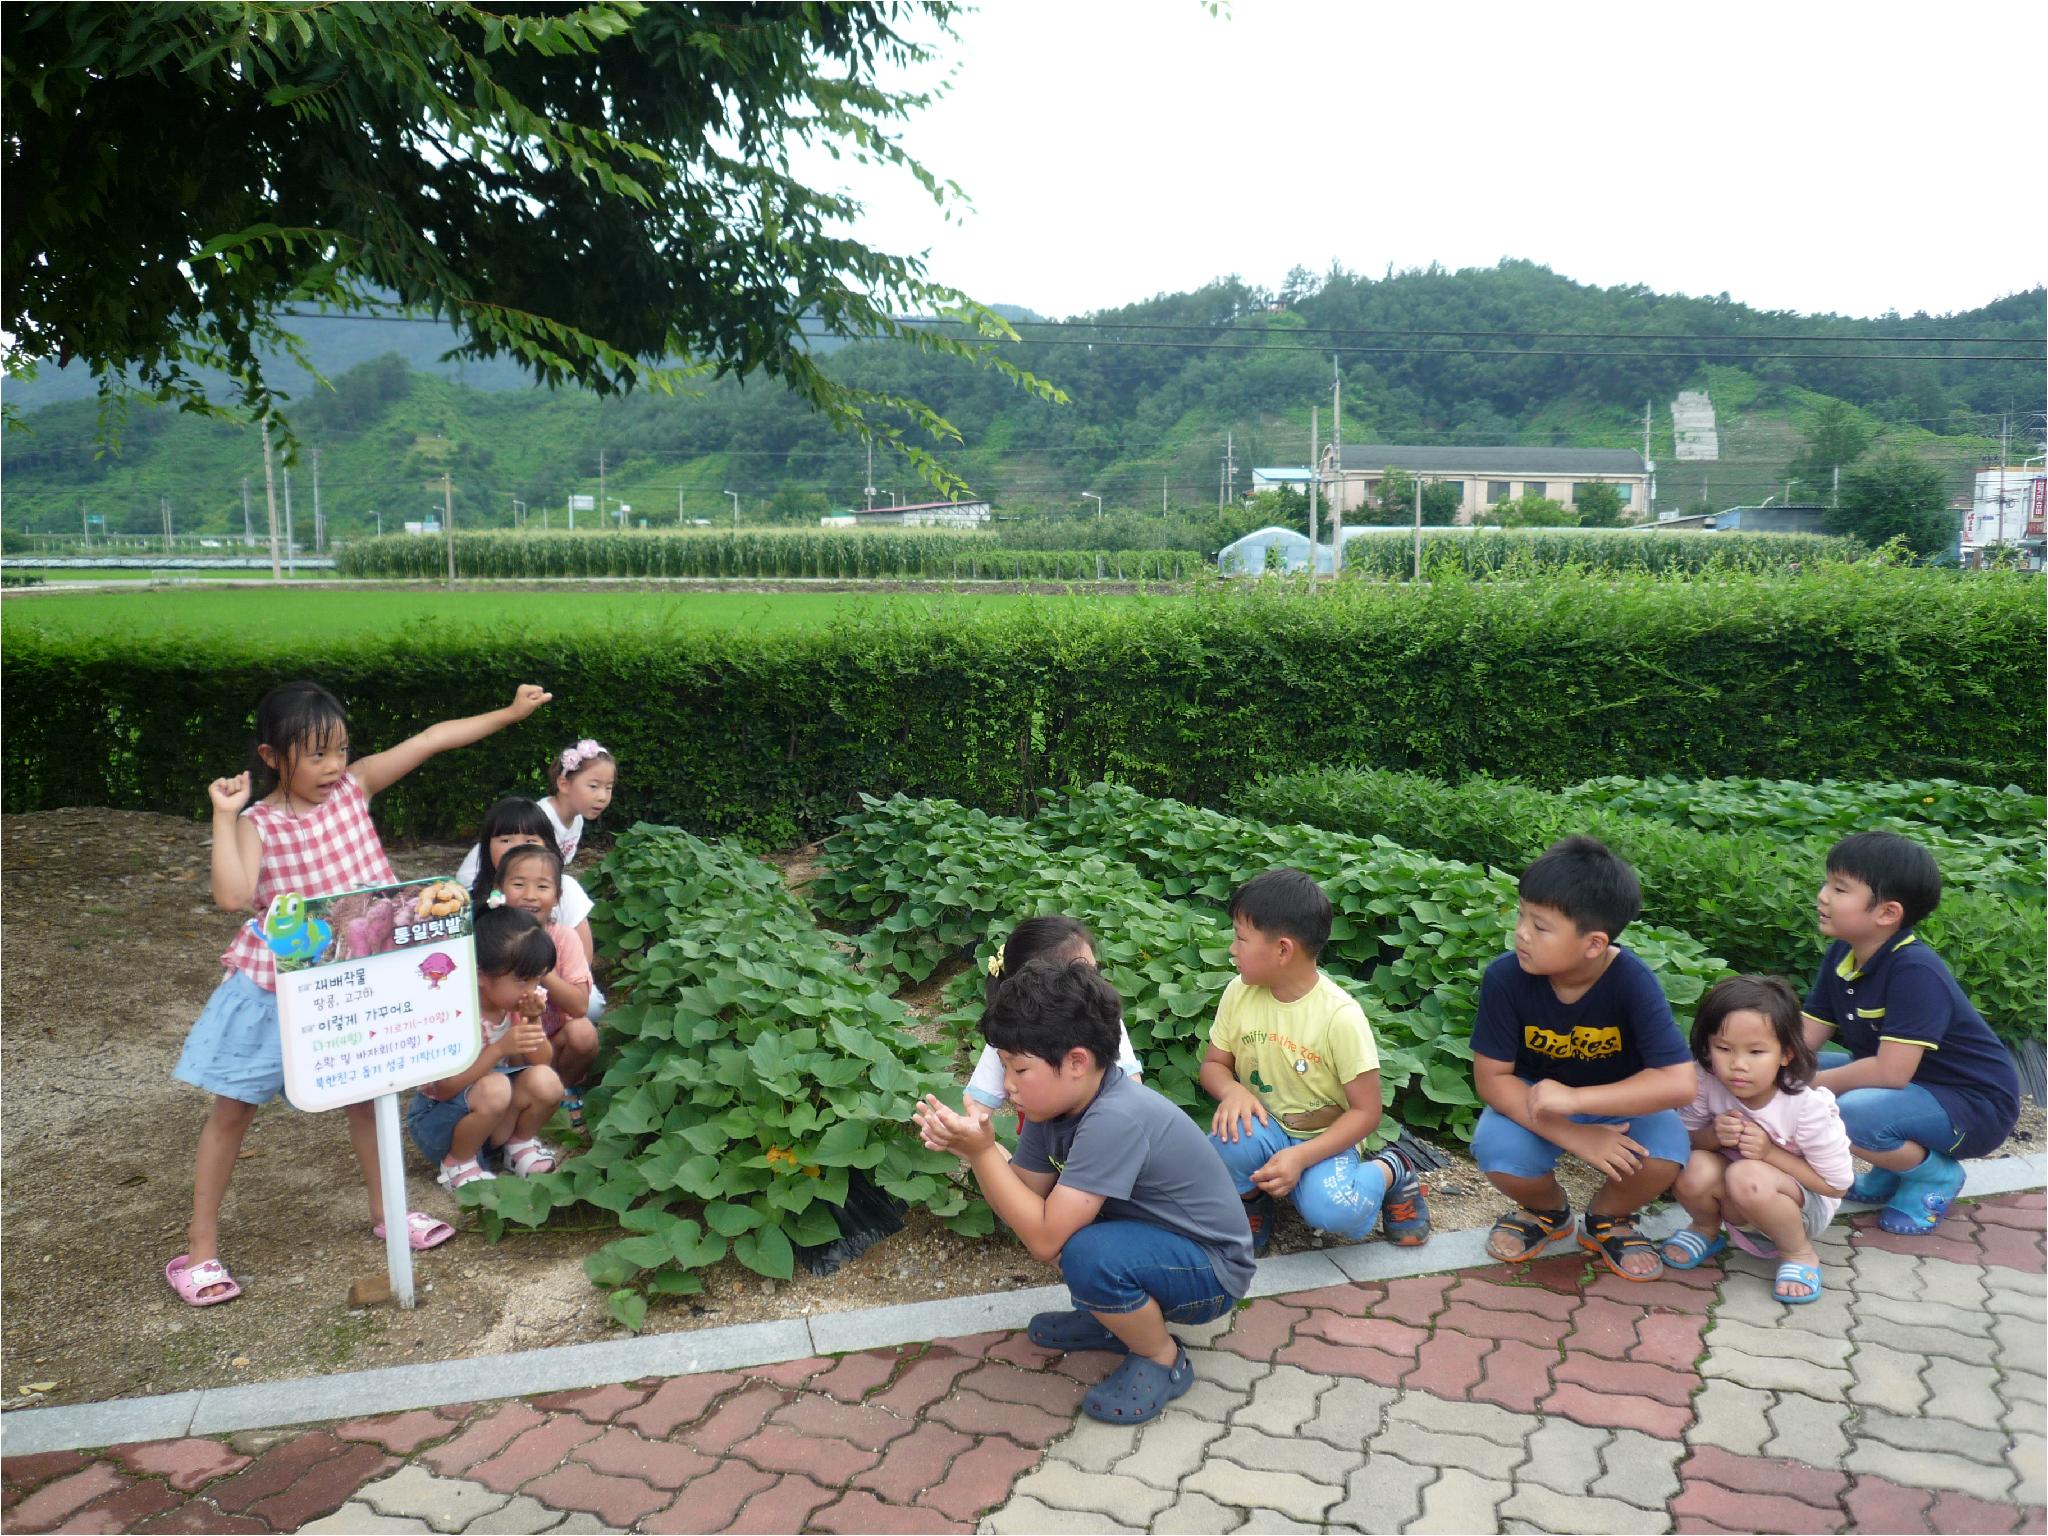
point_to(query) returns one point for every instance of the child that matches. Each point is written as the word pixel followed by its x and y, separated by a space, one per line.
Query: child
pixel 582 776
pixel 1769 1149
pixel 1059 938
pixel 509 1091
pixel 1575 1050
pixel 530 880
pixel 309 832
pixel 1295 1075
pixel 509 824
pixel 1110 1181
pixel 1921 1079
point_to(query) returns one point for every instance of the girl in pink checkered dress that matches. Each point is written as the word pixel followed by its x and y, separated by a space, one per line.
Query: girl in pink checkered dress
pixel 309 831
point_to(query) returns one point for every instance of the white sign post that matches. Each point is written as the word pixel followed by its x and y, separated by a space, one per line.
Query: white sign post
pixel 376 993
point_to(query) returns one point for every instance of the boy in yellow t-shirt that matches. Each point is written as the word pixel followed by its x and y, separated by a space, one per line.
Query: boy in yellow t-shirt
pixel 1295 1076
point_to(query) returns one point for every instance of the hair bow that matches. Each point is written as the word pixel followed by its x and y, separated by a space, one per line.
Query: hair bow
pixel 496 900
pixel 575 757
pixel 995 962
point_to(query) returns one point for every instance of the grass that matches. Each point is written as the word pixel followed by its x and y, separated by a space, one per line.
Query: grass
pixel 171 611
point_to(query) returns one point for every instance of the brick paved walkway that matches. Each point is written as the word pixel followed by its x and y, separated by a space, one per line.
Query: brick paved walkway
pixel 1910 1398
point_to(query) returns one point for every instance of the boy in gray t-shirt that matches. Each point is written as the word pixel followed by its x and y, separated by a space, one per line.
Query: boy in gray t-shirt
pixel 1110 1181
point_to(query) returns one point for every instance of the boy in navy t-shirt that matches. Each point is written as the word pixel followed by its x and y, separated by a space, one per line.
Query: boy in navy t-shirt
pixel 1575 1050
pixel 1920 1078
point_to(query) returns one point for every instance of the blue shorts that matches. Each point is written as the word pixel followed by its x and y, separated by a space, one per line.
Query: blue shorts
pixel 1118 1266
pixel 432 1122
pixel 1501 1146
pixel 235 1049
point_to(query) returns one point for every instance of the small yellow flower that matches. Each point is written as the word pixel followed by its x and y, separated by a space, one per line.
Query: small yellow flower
pixel 781 1155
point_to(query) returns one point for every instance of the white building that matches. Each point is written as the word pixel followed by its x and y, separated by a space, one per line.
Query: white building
pixel 2009 508
pixel 920 514
pixel 1285 477
pixel 1484 476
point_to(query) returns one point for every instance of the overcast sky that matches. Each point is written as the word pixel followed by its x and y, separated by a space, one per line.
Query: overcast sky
pixel 1806 157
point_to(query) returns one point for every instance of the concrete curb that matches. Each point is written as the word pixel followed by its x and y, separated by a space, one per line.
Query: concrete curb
pixel 358 1394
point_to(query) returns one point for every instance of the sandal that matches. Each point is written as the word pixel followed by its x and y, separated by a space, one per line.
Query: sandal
pixel 454 1175
pixel 189 1279
pixel 572 1106
pixel 421 1231
pixel 1694 1249
pixel 529 1157
pixel 1790 1273
pixel 1139 1390
pixel 1600 1238
pixel 1533 1232
pixel 1073 1331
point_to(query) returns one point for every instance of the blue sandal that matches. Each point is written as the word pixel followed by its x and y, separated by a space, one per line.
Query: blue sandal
pixel 1807 1275
pixel 1073 1331
pixel 1695 1250
pixel 1138 1391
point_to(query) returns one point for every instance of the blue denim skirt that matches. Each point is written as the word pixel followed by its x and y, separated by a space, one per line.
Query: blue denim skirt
pixel 234 1050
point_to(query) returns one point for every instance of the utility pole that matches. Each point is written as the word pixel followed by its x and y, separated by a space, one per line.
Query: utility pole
pixel 679 505
pixel 291 553
pixel 319 526
pixel 448 521
pixel 270 497
pixel 870 487
pixel 374 512
pixel 1314 426
pixel 248 532
pixel 1418 530
pixel 163 507
pixel 1649 468
pixel 1337 463
pixel 735 495
pixel 600 494
pixel 1162 495
pixel 85 523
pixel 1230 464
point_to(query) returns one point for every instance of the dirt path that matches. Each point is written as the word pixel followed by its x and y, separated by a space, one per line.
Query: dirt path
pixel 110 947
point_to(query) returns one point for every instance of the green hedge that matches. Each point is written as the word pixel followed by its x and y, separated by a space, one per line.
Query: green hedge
pixel 1866 672
pixel 911 553
pixel 1748 894
pixel 1511 552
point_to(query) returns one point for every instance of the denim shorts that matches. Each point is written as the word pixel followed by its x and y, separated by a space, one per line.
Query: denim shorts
pixel 432 1122
pixel 1885 1119
pixel 1118 1266
pixel 1501 1146
pixel 235 1049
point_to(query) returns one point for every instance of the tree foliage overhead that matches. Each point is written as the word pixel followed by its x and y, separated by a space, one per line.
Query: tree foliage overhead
pixel 1894 495
pixel 591 190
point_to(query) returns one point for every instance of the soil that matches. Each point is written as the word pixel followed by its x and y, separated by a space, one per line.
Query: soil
pixel 111 941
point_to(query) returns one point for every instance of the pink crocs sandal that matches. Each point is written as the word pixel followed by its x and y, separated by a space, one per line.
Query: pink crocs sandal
pixel 189 1279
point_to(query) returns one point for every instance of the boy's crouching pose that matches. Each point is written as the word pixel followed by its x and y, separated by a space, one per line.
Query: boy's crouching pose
pixel 1110 1181
pixel 1575 1050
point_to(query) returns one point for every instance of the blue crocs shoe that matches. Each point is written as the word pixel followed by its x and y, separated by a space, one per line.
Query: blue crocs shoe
pixel 1923 1196
pixel 1404 1213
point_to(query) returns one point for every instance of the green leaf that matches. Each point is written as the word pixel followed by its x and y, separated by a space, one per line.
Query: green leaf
pixel 629 1309
pixel 766 1252
pixel 729 1220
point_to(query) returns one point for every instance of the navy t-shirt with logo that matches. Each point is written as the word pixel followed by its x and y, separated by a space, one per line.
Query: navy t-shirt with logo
pixel 1620 1027
pixel 1904 992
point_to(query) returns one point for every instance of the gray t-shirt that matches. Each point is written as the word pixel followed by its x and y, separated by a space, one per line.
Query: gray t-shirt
pixel 1150 1163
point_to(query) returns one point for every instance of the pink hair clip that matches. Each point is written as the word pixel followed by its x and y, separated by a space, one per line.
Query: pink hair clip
pixel 575 757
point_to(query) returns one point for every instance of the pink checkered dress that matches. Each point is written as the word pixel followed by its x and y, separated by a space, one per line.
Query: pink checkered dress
pixel 332 848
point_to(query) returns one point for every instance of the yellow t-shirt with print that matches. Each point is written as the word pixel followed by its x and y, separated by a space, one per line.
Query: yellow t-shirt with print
pixel 1295 1056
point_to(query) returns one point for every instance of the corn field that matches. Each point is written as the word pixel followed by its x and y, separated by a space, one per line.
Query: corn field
pixel 1454 552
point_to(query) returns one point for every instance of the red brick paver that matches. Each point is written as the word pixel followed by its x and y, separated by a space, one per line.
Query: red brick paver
pixel 862 1511
pixel 594 1405
pixel 712 1501
pixel 60 1497
pixel 125 1509
pixel 617 1501
pixel 979 1479
pixel 187 1465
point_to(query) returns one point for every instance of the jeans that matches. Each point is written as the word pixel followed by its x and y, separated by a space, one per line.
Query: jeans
pixel 1118 1266
pixel 1501 1146
pixel 1885 1119
pixel 1340 1195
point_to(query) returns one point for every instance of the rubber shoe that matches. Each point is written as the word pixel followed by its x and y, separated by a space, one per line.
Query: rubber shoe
pixel 1260 1213
pixel 1874 1186
pixel 1404 1213
pixel 1923 1197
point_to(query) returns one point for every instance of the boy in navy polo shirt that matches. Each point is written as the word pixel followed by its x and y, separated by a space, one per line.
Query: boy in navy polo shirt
pixel 1920 1078
pixel 1575 1050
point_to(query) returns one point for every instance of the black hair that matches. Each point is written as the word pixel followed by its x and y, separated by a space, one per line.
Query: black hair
pixel 1895 868
pixel 1286 904
pixel 557 773
pixel 290 719
pixel 510 942
pixel 1037 938
pixel 1588 882
pixel 527 851
pixel 515 814
pixel 1051 1006
pixel 1771 996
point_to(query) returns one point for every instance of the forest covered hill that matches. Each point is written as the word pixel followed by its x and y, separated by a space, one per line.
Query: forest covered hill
pixel 1509 354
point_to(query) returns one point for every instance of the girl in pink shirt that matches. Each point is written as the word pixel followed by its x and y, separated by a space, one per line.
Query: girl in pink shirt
pixel 1770 1151
pixel 529 878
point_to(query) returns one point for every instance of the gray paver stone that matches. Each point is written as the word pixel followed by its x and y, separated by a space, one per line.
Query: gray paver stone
pixel 1958 1285
pixel 2022 1419
pixel 1350 1413
pixel 1641 1469
pixel 352 1517
pixel 1784 1343
pixel 1095 1446
pixel 1209 1400
pixel 1830 1316
pixel 1028 1515
pixel 1745 1301
pixel 1195 1515
pixel 1261 1520
pixel 1123 1499
pixel 2029 1461
pixel 1547 1510
pixel 1773 1374
pixel 581 1524
pixel 1289 1492
pixel 445 1503
pixel 2020 1340
pixel 1924 1432
pixel 1564 1456
pixel 1439 1448
pixel 1887 1378
pixel 1170 1448
pixel 524 1516
pixel 1311 1458
pixel 1808 1429
pixel 1732 1417
pixel 1202 1335
pixel 1977 1347
pixel 1283 1401
pixel 1460 1502
pixel 1384 1494
pixel 2019 1385
pixel 1933 1315
pixel 1876 1272
pixel 1226 1369
pixel 1965 1392
pixel 2012 1290
pixel 1931 1469
pixel 1488 1420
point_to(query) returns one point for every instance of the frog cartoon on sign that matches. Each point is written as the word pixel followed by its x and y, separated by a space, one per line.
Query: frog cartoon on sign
pixel 436 968
pixel 291 932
